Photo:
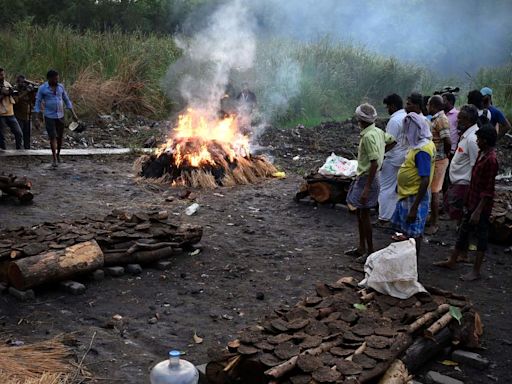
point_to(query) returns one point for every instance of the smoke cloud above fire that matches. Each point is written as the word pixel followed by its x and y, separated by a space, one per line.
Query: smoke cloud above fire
pixel 220 53
pixel 228 42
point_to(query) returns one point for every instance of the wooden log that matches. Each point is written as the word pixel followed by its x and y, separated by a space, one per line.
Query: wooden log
pixel 215 373
pixel 18 188
pixel 23 195
pixel 427 318
pixel 396 374
pixel 321 192
pixel 150 247
pixel 438 325
pixel 140 257
pixel 283 368
pixel 187 234
pixel 55 265
pixel 423 350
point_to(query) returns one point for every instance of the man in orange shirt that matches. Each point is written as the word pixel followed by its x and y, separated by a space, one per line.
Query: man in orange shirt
pixel 7 117
pixel 440 127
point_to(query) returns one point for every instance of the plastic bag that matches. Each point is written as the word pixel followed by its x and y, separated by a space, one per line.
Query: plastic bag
pixel 393 270
pixel 338 166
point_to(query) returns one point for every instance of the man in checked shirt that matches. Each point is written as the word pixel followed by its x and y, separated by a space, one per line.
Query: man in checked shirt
pixel 478 204
pixel 54 97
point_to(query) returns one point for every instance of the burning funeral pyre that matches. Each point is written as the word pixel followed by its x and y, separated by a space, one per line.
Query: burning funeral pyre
pixel 206 152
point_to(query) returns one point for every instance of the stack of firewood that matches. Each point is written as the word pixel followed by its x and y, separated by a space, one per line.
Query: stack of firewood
pixel 59 251
pixel 501 219
pixel 346 335
pixel 18 188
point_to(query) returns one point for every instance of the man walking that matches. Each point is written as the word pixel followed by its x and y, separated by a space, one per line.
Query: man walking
pixel 364 191
pixel 441 139
pixel 54 96
pixel 462 162
pixel 478 204
pixel 393 159
pixel 7 112
pixel 415 174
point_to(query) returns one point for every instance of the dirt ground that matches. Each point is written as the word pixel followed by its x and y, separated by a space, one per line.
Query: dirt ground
pixel 256 240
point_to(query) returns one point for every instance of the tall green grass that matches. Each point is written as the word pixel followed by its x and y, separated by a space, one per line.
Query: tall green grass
pixel 296 82
pixel 32 50
pixel 500 80
pixel 333 78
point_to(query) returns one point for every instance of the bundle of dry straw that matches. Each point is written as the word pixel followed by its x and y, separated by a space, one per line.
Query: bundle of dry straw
pixel 45 362
pixel 123 93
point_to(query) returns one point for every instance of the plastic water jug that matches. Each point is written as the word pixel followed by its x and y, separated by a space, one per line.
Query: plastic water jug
pixel 174 371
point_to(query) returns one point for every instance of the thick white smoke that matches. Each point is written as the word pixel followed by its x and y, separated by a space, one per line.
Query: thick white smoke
pixel 226 43
pixel 222 53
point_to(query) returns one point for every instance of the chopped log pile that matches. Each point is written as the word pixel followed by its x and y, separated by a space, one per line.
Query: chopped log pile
pixel 324 189
pixel 501 219
pixel 58 251
pixel 18 188
pixel 346 335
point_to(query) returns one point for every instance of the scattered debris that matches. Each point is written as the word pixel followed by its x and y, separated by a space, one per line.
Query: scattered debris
pixel 18 188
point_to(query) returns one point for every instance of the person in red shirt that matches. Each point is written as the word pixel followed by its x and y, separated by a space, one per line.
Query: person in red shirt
pixel 478 204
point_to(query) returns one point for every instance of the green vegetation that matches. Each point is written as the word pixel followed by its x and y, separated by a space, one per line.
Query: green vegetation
pixel 150 16
pixel 296 82
pixel 100 57
pixel 333 78
pixel 500 80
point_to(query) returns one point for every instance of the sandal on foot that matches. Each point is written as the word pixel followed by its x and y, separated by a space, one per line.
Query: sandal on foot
pixel 399 237
pixel 354 252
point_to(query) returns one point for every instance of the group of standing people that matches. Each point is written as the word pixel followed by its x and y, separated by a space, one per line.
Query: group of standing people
pixel 27 103
pixel 424 152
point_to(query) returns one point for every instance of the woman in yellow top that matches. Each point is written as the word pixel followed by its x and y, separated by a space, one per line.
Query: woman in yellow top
pixel 415 174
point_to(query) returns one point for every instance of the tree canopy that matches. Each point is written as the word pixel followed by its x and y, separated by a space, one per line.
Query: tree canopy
pixel 160 16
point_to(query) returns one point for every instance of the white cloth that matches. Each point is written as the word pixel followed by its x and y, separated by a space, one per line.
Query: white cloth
pixel 465 157
pixel 393 159
pixel 395 128
pixel 387 195
pixel 481 112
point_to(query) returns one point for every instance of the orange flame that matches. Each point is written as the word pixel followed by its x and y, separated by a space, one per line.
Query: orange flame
pixel 191 140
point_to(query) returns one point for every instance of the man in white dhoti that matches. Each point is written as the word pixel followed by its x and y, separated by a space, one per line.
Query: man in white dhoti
pixel 393 159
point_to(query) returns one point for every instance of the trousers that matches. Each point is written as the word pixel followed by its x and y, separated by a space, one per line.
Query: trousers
pixel 12 123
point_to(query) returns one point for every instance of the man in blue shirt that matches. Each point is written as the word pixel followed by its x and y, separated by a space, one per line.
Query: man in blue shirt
pixel 498 119
pixel 54 97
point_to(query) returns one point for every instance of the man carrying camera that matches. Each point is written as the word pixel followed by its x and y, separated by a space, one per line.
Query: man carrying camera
pixel 54 97
pixel 25 98
pixel 7 117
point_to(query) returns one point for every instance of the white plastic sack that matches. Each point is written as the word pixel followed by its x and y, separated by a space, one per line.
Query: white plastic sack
pixel 393 270
pixel 338 166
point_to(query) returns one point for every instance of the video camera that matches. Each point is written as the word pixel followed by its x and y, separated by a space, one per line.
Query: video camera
pixel 447 89
pixel 25 86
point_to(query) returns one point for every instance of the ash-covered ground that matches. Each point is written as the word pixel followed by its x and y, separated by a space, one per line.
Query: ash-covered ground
pixel 260 249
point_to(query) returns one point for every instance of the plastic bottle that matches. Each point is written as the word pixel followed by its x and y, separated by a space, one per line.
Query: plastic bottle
pixel 174 371
pixel 192 209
